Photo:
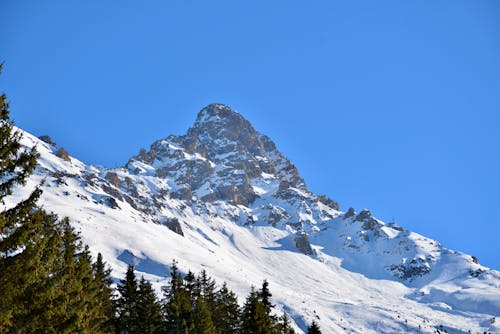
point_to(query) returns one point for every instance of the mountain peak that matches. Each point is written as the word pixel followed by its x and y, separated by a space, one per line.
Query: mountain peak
pixel 221 116
pixel 222 157
pixel 218 110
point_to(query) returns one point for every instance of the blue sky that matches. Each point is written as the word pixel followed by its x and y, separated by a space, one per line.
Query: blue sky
pixel 388 105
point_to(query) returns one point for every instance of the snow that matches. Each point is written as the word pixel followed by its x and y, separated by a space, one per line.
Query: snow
pixel 346 286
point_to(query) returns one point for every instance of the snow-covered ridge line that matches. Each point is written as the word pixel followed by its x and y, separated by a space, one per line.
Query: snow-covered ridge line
pixel 224 199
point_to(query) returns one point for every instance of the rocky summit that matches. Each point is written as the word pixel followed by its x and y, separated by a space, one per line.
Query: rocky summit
pixel 223 198
pixel 218 159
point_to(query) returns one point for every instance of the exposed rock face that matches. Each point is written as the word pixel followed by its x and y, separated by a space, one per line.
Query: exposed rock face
pixel 63 154
pixel 174 225
pixel 302 243
pixel 409 271
pixel 218 158
pixel 223 158
pixel 47 139
pixel 369 223
pixel 350 213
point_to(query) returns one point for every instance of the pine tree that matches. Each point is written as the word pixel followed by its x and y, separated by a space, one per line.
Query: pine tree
pixel 284 325
pixel 255 318
pixel 265 296
pixel 207 287
pixel 24 234
pixel 126 304
pixel 177 304
pixel 47 283
pixel 149 313
pixel 314 328
pixel 32 271
pixel 77 297
pixel 227 311
pixel 192 286
pixel 106 312
pixel 202 318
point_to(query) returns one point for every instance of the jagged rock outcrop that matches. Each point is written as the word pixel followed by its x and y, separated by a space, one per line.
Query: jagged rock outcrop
pixel 218 158
pixel 63 154
pixel 174 225
pixel 302 243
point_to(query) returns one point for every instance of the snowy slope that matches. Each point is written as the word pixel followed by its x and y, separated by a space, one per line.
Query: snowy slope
pixel 223 198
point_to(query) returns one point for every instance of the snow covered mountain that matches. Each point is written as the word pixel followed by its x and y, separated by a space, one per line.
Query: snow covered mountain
pixel 223 198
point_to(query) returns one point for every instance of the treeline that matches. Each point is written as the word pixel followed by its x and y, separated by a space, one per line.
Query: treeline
pixel 194 304
pixel 49 282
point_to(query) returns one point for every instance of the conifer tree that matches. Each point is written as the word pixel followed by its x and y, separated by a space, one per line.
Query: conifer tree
pixel 149 313
pixel 77 297
pixel 29 274
pixel 192 286
pixel 106 311
pixel 227 311
pixel 24 234
pixel 202 318
pixel 284 325
pixel 126 304
pixel 255 318
pixel 47 284
pixel 265 296
pixel 207 287
pixel 177 304
pixel 314 328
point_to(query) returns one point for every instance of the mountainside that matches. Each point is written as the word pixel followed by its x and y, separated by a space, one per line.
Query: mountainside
pixel 223 198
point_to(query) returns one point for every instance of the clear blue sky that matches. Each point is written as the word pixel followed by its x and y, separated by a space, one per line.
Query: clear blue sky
pixel 389 105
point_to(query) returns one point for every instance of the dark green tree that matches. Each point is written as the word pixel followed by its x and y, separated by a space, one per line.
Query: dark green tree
pixel 284 326
pixel 265 296
pixel 202 318
pixel 26 236
pixel 227 311
pixel 314 328
pixel 177 304
pixel 33 271
pixel 126 304
pixel 149 312
pixel 255 318
pixel 47 283
pixel 207 290
pixel 106 311
pixel 77 296
pixel 192 286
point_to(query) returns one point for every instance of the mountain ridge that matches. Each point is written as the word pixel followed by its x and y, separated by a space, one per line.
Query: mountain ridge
pixel 214 196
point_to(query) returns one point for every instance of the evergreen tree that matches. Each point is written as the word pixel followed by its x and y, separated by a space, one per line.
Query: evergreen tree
pixel 106 312
pixel 255 318
pixel 126 304
pixel 284 325
pixel 265 296
pixel 177 304
pixel 24 235
pixel 202 319
pixel 149 313
pixel 227 311
pixel 32 270
pixel 47 283
pixel 192 286
pixel 77 298
pixel 314 328
pixel 207 287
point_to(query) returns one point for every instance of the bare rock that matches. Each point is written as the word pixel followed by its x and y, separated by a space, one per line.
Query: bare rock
pixel 302 243
pixel 113 178
pixel 350 213
pixel 47 139
pixel 63 154
pixel 174 225
pixel 328 202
